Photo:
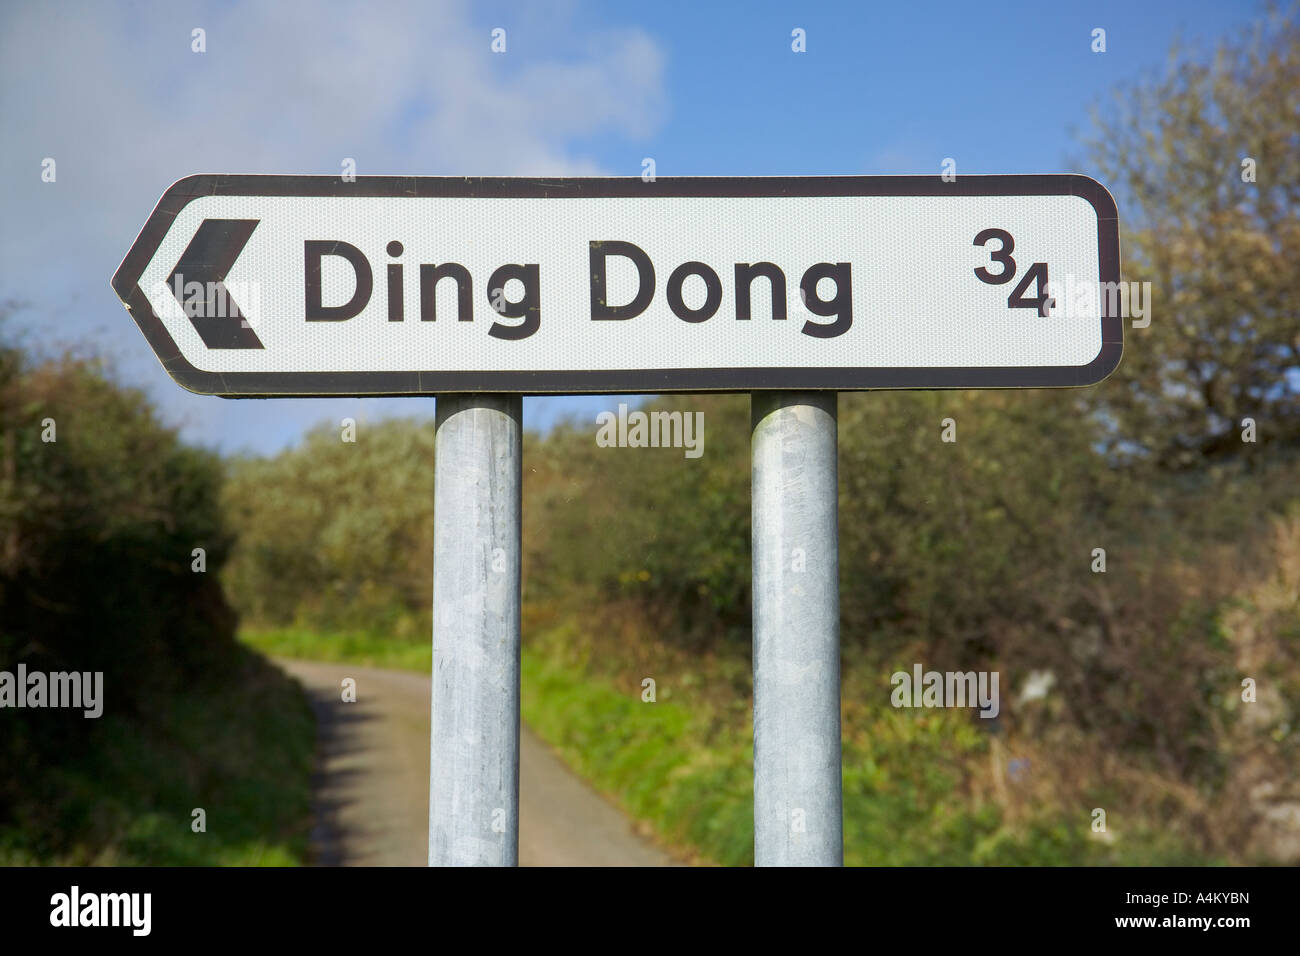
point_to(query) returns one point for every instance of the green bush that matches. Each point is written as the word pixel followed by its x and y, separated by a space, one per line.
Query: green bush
pixel 98 530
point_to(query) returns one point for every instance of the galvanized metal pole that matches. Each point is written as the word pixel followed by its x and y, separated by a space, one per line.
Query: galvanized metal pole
pixel 798 806
pixel 474 751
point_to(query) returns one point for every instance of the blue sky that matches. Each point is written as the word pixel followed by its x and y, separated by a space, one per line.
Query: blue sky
pixel 113 92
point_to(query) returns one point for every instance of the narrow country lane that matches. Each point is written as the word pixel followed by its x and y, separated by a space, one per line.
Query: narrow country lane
pixel 371 790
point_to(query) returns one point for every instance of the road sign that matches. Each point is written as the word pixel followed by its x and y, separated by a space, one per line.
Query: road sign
pixel 311 285
pixel 797 287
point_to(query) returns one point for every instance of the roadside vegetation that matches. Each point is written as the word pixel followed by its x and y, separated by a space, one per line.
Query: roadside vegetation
pixel 101 510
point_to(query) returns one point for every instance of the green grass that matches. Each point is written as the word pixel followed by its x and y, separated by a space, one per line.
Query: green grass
pixel 242 751
pixel 351 647
pixel 684 765
pixel 665 763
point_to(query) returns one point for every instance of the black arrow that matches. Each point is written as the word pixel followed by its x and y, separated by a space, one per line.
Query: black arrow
pixel 206 260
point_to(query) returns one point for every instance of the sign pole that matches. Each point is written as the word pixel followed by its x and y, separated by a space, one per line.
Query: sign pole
pixel 474 744
pixel 798 816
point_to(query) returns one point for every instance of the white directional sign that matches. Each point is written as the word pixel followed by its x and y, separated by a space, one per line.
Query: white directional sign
pixel 305 285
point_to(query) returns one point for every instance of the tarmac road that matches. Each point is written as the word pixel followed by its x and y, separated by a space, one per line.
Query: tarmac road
pixel 371 787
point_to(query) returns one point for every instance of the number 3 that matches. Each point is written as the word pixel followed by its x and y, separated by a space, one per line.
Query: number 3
pixel 1003 256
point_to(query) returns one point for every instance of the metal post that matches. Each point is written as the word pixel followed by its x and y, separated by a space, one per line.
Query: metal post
pixel 474 750
pixel 798 813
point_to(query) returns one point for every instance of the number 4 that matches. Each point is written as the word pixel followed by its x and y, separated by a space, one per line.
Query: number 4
pixel 1037 274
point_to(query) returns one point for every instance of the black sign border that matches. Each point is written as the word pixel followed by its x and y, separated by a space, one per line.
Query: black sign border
pixel 324 384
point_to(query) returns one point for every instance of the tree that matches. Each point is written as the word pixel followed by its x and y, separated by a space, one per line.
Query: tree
pixel 1206 166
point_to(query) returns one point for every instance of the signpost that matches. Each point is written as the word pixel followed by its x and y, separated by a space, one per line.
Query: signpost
pixel 483 290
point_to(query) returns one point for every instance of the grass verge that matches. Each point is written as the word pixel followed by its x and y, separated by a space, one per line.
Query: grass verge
pixel 914 781
pixel 349 647
pixel 241 751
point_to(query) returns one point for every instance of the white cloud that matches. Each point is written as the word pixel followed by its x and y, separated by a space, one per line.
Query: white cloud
pixel 114 94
